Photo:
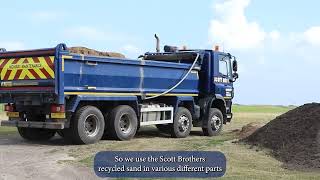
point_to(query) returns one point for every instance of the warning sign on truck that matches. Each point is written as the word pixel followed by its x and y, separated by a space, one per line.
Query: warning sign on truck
pixel 27 68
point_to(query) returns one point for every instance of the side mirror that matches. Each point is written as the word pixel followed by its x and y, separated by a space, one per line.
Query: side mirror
pixel 235 65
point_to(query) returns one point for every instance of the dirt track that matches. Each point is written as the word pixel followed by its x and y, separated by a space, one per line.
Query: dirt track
pixel 24 160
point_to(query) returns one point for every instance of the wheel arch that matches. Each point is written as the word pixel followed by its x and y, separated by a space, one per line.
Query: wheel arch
pixel 188 103
pixel 216 101
pixel 221 105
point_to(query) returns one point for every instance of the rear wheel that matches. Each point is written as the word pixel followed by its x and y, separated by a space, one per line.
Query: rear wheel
pixel 123 123
pixel 34 134
pixel 87 126
pixel 214 123
pixel 182 123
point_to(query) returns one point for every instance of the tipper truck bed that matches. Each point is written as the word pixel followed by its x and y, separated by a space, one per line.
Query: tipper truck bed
pixel 86 98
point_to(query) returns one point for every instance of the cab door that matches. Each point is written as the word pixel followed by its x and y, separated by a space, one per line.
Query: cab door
pixel 223 76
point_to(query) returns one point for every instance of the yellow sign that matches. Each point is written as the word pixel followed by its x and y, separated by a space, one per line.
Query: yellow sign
pixel 24 66
pixel 58 115
pixel 13 114
pixel 27 68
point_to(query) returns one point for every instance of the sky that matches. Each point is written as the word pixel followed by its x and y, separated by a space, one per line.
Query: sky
pixel 275 42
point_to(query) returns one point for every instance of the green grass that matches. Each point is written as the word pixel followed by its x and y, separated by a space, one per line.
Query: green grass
pixel 7 130
pixel 261 109
pixel 88 161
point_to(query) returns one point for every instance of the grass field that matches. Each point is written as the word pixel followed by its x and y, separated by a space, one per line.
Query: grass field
pixel 261 109
pixel 243 162
pixel 6 130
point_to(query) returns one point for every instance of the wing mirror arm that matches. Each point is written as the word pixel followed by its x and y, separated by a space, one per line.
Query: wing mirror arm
pixel 235 76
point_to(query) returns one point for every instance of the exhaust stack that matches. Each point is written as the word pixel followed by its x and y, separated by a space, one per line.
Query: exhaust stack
pixel 158 43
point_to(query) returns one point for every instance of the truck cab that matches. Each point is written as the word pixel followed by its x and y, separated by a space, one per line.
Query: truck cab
pixel 225 73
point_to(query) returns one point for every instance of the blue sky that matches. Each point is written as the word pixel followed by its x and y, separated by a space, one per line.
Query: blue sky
pixel 276 42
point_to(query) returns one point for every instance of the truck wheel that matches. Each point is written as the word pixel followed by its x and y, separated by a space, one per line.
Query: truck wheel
pixel 34 134
pixel 165 128
pixel 87 126
pixel 182 123
pixel 123 123
pixel 214 123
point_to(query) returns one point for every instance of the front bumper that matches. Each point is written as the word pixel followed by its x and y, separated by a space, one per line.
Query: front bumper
pixel 34 124
pixel 229 116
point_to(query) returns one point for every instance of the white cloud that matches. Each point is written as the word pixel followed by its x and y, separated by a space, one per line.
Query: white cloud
pixel 274 35
pixel 12 45
pixel 312 35
pixel 231 28
pixel 46 16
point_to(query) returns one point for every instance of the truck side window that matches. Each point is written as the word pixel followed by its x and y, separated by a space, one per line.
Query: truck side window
pixel 223 67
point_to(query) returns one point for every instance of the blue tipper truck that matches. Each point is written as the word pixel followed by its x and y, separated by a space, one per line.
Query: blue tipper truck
pixel 86 98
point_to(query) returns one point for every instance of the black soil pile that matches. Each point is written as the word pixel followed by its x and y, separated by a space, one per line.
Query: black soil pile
pixel 293 137
pixel 248 129
pixel 87 51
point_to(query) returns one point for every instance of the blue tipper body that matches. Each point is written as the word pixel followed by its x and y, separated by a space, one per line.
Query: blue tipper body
pixel 85 75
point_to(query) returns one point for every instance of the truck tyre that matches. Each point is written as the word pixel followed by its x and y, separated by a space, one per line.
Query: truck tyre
pixel 87 126
pixel 123 123
pixel 182 123
pixel 214 123
pixel 35 134
pixel 165 128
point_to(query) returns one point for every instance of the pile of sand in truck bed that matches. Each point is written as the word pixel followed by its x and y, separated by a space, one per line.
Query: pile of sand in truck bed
pixel 293 137
pixel 92 52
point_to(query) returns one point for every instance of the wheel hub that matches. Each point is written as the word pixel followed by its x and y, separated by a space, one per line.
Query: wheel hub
pixel 91 125
pixel 215 122
pixel 125 124
pixel 184 123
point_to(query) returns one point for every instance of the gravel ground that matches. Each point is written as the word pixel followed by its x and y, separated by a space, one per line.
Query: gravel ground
pixel 20 159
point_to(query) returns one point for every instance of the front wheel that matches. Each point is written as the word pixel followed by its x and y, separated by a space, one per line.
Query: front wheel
pixel 214 123
pixel 182 123
pixel 34 134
